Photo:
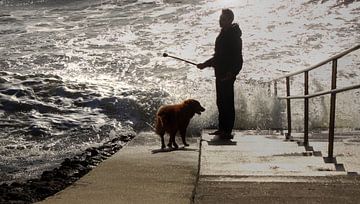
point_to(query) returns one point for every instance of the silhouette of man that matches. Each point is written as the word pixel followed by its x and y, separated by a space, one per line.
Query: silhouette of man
pixel 227 62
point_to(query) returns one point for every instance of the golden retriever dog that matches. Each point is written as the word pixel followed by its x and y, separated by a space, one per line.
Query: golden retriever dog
pixel 173 118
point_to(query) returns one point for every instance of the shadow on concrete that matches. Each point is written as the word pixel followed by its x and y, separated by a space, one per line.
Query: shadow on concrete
pixel 338 166
pixel 155 151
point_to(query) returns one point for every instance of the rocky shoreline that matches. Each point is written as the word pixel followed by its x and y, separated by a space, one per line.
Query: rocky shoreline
pixel 70 170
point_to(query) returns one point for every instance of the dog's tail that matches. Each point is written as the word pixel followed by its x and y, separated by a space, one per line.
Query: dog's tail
pixel 159 124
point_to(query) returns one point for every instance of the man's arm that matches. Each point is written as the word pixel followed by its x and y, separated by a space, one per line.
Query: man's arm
pixel 208 63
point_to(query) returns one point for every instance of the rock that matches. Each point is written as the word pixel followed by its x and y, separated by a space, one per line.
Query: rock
pixel 18 195
pixel 115 149
pixel 66 162
pixel 47 175
pixel 62 173
pixel 77 158
pixel 104 157
pixel 15 185
pixel 84 171
pixel 106 154
pixel 97 158
pixel 94 152
pixel 45 191
pixel 115 140
pixel 4 185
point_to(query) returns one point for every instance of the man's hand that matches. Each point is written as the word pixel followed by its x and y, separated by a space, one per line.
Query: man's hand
pixel 201 66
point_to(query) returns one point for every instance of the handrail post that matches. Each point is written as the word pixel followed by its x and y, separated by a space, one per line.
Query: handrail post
pixel 332 110
pixel 275 88
pixel 288 105
pixel 306 109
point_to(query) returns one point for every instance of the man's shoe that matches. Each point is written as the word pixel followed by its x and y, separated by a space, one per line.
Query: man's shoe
pixel 217 132
pixel 226 136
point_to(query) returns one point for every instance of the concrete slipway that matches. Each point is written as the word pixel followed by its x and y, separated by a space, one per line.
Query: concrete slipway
pixel 250 169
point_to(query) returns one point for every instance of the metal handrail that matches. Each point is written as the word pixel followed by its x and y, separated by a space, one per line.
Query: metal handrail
pixel 321 93
pixel 307 96
pixel 345 52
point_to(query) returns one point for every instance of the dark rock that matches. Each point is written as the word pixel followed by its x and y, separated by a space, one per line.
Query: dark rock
pixel 63 173
pixel 4 185
pixel 92 166
pixel 104 157
pixel 66 162
pixel 68 171
pixel 115 140
pixel 84 163
pixel 97 158
pixel 94 152
pixel 15 185
pixel 45 191
pixel 83 171
pixel 106 154
pixel 87 154
pixel 18 194
pixel 78 158
pixel 47 175
pixel 107 149
pixel 117 148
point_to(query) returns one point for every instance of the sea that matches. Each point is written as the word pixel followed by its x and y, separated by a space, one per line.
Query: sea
pixel 77 73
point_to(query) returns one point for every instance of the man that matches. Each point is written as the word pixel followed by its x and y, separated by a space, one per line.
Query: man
pixel 227 62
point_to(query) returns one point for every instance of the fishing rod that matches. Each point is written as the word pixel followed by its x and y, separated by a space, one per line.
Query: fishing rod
pixel 187 61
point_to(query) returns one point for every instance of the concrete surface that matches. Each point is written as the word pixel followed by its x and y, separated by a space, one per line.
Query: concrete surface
pixel 261 155
pixel 266 169
pixel 319 191
pixel 136 175
pixel 251 168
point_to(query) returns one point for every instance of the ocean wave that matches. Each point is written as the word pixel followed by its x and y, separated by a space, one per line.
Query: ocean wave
pixel 44 116
pixel 73 5
pixel 35 2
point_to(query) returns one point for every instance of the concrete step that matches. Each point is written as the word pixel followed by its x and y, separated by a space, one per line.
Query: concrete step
pixel 260 155
pixel 266 169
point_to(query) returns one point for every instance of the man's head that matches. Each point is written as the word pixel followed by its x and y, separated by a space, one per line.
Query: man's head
pixel 226 18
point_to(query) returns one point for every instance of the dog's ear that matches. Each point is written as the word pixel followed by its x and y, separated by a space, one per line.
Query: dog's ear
pixel 189 101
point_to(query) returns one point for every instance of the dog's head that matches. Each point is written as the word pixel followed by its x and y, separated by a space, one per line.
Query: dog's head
pixel 194 105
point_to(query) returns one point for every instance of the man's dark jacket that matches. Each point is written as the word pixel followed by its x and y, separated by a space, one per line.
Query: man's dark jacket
pixel 228 52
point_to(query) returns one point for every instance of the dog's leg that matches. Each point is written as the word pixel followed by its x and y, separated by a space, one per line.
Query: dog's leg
pixel 172 141
pixel 183 134
pixel 162 141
